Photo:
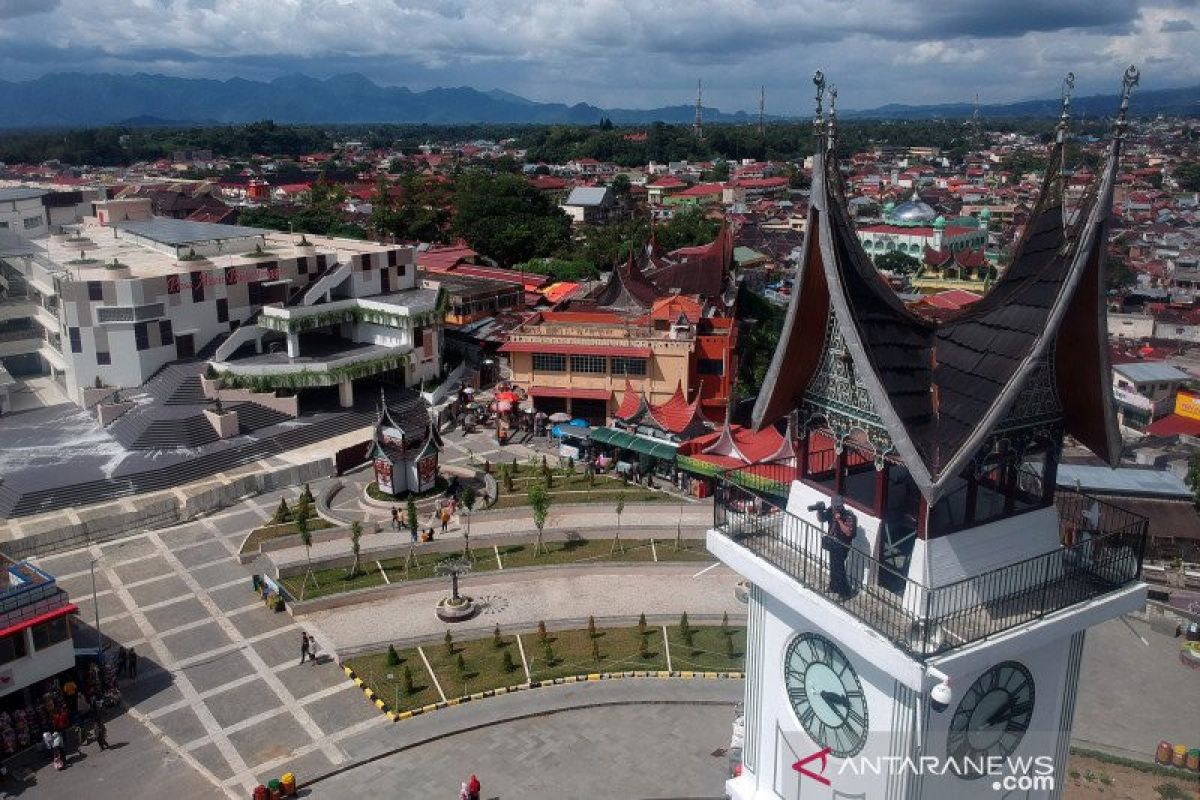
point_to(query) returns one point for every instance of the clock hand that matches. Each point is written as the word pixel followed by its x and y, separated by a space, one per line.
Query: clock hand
pixel 833 699
pixel 1002 714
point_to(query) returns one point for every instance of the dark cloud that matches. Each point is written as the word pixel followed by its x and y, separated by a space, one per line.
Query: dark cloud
pixel 1018 17
pixel 1176 26
pixel 11 9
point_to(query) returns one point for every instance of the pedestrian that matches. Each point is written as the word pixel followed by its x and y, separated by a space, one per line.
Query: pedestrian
pixel 413 533
pixel 122 661
pixel 473 788
pixel 395 518
pixel 101 733
pixel 58 750
pixel 843 526
pixel 445 519
pixel 462 793
pixel 133 658
pixel 71 696
pixel 303 646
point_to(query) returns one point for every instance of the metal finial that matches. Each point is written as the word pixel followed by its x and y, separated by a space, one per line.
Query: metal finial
pixel 1064 118
pixel 1128 81
pixel 832 111
pixel 819 82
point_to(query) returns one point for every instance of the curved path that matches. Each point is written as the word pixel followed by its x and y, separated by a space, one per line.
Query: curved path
pixel 619 739
pixel 519 600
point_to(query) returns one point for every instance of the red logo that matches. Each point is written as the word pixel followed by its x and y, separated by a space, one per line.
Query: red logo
pixel 823 755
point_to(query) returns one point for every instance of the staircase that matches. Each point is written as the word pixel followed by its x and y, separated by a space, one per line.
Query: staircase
pixel 253 417
pixel 325 283
pixel 189 392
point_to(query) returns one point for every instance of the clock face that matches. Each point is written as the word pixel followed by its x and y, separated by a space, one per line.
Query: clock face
pixel 825 694
pixel 992 717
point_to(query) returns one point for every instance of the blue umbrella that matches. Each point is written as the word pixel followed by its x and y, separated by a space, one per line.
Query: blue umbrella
pixel 556 432
pixel 579 423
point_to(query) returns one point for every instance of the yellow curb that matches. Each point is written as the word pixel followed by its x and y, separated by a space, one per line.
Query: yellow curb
pixel 502 690
pixel 404 715
pixel 594 676
pixel 428 708
pixel 687 674
pixel 477 696
pixel 570 679
pixel 662 674
pixel 382 706
pixel 453 701
pixel 711 675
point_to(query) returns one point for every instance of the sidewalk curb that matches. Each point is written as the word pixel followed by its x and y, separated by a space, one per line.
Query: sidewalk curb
pixel 400 716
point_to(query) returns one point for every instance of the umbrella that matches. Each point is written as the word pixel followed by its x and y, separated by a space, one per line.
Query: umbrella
pixel 579 423
pixel 556 432
pixel 507 397
pixel 504 406
pixel 469 390
pixel 559 416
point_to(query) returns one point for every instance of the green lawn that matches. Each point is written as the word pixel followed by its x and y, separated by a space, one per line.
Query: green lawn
pixel 571 488
pixel 259 535
pixel 577 551
pixel 619 650
pixel 388 682
pixel 708 651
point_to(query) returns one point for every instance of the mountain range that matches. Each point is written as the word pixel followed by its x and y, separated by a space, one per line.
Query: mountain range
pixel 77 99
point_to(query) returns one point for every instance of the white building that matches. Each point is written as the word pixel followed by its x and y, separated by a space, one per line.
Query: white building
pixel 35 627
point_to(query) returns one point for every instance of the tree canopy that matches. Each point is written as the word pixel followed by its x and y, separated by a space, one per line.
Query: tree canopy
pixel 505 218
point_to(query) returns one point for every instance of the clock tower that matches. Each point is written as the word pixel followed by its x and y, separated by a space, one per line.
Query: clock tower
pixel 920 592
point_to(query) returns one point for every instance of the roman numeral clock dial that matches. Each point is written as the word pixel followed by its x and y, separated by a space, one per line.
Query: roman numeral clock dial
pixel 826 694
pixel 992 717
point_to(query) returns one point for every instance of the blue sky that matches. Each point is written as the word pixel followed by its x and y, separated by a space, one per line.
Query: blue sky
pixel 628 53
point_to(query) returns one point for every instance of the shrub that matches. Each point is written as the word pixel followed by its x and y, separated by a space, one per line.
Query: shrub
pixel 642 624
pixel 507 661
pixel 725 622
pixel 497 642
pixel 548 654
pixel 460 665
pixel 591 626
pixel 393 658
pixel 407 681
pixel 449 641
pixel 684 627
pixel 282 513
pixel 1105 779
pixel 542 635
pixel 644 645
pixel 596 651
pixel 729 651
pixel 1170 791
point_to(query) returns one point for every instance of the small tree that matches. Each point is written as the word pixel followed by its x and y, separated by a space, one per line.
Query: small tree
pixel 282 513
pixel 393 658
pixel 591 626
pixel 596 650
pixel 468 501
pixel 301 515
pixel 507 661
pixel 542 635
pixel 497 641
pixel 460 666
pixel 487 467
pixel 407 680
pixel 620 509
pixel 410 516
pixel 548 654
pixel 725 622
pixel 729 651
pixel 539 507
pixel 641 623
pixel 506 475
pixel 448 640
pixel 355 545
pixel 644 645
pixel 307 496
pixel 685 630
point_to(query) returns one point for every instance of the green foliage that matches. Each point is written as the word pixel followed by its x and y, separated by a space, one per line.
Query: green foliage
pixel 686 229
pixel 460 665
pixel 356 532
pixel 764 323
pixel 505 218
pixel 895 261
pixel 282 513
pixel 560 269
pixel 548 654
pixel 1188 176
pixel 642 623
pixel 644 644
pixel 418 209
pixel 448 641
pixel 596 650
pixel 1170 791
pixel 393 658
pixel 322 214
pixel 729 649
pixel 497 641
pixel 507 662
pixel 407 680
pixel 725 622
pixel 1021 162
pixel 410 517
pixel 468 498
pixel 591 626
pixel 541 630
pixel 1117 273
pixel 1193 477
pixel 539 503
pixel 301 518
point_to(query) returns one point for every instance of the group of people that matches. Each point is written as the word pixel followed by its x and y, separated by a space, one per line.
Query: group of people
pixel 127 663
pixel 470 790
pixel 442 516
pixel 75 706
pixel 308 648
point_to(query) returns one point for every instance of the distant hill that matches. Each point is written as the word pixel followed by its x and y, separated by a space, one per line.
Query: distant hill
pixel 76 99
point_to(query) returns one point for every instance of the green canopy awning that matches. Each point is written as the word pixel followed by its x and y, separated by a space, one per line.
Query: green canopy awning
pixel 613 437
pixel 638 444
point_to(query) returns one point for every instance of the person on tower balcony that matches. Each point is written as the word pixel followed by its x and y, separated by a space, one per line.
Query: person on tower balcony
pixel 843 526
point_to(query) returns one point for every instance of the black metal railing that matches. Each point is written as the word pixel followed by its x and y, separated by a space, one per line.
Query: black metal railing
pixel 1102 550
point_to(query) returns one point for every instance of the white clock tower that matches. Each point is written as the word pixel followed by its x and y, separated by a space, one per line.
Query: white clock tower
pixel 920 592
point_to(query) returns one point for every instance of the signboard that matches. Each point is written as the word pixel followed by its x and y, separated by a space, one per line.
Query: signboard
pixel 427 471
pixel 392 437
pixel 1187 405
pixel 568 451
pixel 383 475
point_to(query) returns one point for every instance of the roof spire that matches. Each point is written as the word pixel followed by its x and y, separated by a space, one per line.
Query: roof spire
pixel 819 119
pixel 1064 119
pixel 1130 80
pixel 832 114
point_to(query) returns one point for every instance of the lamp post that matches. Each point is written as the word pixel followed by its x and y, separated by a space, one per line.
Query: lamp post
pixel 95 604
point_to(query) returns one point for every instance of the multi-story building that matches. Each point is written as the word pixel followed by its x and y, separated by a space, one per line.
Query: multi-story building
pixel 913 225
pixel 35 630
pixel 117 296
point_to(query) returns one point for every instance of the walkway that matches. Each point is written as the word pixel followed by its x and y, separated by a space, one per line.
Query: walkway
pixel 519 600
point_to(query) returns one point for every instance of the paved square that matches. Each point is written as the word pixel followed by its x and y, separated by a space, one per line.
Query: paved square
pixel 157 591
pixel 279 649
pixel 122 631
pixel 341 710
pixel 277 737
pixel 182 725
pixel 241 703
pixel 180 612
pixel 195 641
pixel 185 535
pixel 234 597
pixel 217 671
pixel 310 677
pixel 117 553
pixel 202 554
pixel 224 572
pixel 259 620
pixel 66 563
pixel 154 689
pixel 142 570
pixel 81 585
pixel 210 758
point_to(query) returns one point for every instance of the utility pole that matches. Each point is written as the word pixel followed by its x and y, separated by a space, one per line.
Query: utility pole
pixel 698 124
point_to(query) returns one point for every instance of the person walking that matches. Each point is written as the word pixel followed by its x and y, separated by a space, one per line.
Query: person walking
pixel 413 532
pixel 473 788
pixel 395 518
pixel 101 733
pixel 445 519
pixel 133 659
pixel 303 646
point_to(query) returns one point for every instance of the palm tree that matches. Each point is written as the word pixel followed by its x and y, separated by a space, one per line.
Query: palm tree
pixel 539 505
pixel 355 545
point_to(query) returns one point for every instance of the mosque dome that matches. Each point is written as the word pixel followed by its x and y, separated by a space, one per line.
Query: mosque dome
pixel 986 213
pixel 913 212
pixel 940 222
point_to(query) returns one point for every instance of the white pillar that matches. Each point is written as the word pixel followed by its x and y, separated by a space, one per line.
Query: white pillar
pixel 293 345
pixel 346 393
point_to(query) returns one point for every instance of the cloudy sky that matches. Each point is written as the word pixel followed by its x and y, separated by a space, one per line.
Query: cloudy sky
pixel 627 53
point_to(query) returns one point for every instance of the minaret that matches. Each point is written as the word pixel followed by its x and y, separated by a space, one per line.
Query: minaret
pixel 698 124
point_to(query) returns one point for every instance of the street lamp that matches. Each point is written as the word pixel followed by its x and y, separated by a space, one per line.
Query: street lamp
pixel 95 603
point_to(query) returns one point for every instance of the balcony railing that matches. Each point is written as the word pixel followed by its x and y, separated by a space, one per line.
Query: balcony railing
pixel 1102 550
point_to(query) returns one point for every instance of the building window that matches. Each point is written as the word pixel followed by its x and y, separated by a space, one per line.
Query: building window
pixel 710 366
pixel 165 335
pixel 4 224
pixel 628 366
pixel 549 362
pixel 222 310
pixel 33 222
pixel 141 336
pixel 76 343
pixel 589 364
pixel 197 287
pixel 103 357
pixel 95 291
pixel 13 647
pixel 50 633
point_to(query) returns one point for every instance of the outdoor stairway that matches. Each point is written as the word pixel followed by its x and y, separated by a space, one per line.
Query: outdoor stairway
pixel 189 392
pixel 253 417
pixel 166 434
pixel 14 503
